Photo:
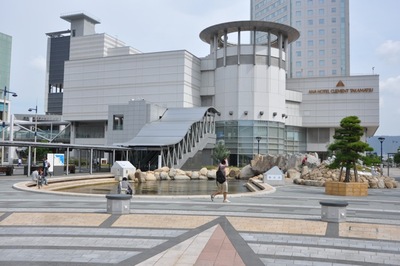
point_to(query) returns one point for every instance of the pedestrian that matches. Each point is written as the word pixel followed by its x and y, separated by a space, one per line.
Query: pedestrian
pixel 46 167
pixel 37 176
pixel 19 161
pixel 124 186
pixel 222 185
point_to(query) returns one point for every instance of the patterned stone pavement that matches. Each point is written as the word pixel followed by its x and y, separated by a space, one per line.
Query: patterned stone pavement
pixel 281 228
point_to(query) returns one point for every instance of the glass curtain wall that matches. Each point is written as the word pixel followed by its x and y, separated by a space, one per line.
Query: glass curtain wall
pixel 240 137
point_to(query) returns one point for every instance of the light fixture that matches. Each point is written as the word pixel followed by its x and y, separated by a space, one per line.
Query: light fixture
pixel 274 114
pixel 245 112
pixel 261 112
pixel 286 116
pixel 283 115
pixel 230 112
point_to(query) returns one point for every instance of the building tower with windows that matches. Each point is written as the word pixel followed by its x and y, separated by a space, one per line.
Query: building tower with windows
pixel 323 48
pixel 5 66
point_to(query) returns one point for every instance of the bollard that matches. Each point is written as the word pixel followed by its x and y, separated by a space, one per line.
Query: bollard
pixel 333 211
pixel 118 203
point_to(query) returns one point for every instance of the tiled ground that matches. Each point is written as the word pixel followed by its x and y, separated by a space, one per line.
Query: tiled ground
pixel 280 229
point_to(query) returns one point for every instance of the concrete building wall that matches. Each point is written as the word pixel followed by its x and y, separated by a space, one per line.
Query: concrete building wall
pixel 93 84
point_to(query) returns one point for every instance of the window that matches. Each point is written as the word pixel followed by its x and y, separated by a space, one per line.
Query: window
pixel 310 52
pixel 321 52
pixel 333 10
pixel 321 62
pixel 298 74
pixel 298 13
pixel 298 23
pixel 334 41
pixel 334 72
pixel 298 3
pixel 333 51
pixel 310 42
pixel 334 61
pixel 118 122
pixel 310 33
pixel 333 20
pixel 310 22
pixel 322 73
pixel 310 12
pixel 321 32
pixel 321 21
pixel 310 73
pixel 310 63
pixel 298 43
pixel 298 63
pixel 333 30
pixel 298 53
pixel 321 11
pixel 321 42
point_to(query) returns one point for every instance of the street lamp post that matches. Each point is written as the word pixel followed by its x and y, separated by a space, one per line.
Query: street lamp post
pixel 5 91
pixel 381 139
pixel 258 144
pixel 34 150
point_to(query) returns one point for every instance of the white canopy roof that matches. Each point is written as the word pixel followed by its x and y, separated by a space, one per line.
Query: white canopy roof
pixel 170 129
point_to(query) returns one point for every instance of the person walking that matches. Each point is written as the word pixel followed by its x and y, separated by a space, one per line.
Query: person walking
pixel 222 182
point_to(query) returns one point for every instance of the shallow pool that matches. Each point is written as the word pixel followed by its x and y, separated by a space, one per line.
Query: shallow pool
pixel 166 188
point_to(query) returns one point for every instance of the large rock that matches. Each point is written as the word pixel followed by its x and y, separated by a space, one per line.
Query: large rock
pixel 150 177
pixel 293 173
pixel 203 171
pixel 181 177
pixel 247 172
pixel 164 176
pixel 195 175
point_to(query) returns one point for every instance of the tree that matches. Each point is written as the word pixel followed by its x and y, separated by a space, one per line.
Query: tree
pixel 396 157
pixel 220 152
pixel 347 146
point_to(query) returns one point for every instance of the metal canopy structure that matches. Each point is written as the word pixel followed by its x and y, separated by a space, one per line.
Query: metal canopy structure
pixel 68 147
pixel 178 133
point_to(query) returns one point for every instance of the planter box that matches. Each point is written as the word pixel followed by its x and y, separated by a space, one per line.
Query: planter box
pixel 346 189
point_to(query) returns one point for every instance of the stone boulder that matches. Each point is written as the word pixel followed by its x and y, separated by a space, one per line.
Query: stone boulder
pixel 164 176
pixel 247 172
pixel 195 175
pixel 150 177
pixel 293 173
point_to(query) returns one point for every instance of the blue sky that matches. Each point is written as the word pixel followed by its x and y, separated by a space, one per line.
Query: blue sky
pixel 162 25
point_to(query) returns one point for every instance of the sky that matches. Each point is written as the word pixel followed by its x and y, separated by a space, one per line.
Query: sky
pixel 164 25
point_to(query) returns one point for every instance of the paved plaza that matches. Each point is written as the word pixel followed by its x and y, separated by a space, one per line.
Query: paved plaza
pixel 279 228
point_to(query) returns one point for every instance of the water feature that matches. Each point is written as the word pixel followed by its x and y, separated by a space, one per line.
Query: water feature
pixel 166 188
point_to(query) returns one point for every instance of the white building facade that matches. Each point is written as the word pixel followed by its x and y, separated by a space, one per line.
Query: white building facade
pixel 259 109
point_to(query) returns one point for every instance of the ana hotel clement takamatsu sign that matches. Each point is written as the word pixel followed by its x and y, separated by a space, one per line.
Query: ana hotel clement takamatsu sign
pixel 341 90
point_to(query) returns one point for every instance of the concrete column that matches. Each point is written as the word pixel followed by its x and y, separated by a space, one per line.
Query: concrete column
pixel 254 46
pixel 215 46
pixel 286 43
pixel 238 48
pixel 269 48
pixel 280 49
pixel 225 46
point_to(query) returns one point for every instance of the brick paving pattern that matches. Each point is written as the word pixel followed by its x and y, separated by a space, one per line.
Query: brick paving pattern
pixel 281 228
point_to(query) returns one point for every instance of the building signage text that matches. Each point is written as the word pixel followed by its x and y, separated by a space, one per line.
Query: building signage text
pixel 334 91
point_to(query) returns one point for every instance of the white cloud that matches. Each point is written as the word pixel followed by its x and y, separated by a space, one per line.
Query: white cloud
pixel 38 62
pixel 390 51
pixel 391 85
